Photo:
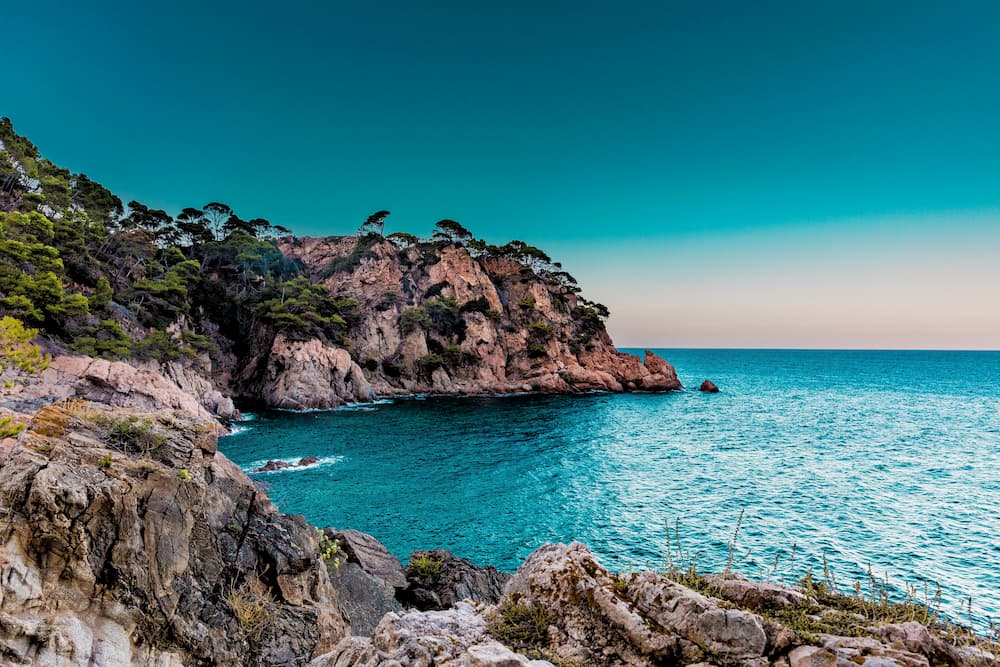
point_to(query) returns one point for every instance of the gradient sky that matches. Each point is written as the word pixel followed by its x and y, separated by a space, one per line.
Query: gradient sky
pixel 721 174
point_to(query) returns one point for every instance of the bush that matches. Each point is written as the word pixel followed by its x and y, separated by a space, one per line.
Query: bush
pixel 9 428
pixel 392 369
pixel 131 435
pixel 413 319
pixel 536 350
pixel 540 330
pixel 522 626
pixel 362 250
pixel 424 567
pixel 527 303
pixel 430 362
pixel 478 305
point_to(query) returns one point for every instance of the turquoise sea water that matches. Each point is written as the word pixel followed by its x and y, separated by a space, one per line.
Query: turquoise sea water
pixel 887 459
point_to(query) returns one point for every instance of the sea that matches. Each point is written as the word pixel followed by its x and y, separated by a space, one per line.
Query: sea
pixel 856 466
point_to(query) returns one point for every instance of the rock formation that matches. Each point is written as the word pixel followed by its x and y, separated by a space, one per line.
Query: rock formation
pixel 128 540
pixel 708 387
pixel 437 580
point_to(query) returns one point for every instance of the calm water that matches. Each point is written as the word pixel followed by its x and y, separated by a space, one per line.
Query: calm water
pixel 884 458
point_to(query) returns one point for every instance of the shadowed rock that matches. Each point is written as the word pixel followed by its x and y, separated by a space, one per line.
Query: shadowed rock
pixel 446 580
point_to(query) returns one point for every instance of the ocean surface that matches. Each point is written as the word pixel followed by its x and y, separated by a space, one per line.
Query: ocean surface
pixel 871 459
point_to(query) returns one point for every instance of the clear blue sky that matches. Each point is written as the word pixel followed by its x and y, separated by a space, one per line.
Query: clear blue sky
pixel 719 173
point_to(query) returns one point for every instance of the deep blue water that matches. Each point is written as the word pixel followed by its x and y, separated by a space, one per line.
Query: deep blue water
pixel 887 459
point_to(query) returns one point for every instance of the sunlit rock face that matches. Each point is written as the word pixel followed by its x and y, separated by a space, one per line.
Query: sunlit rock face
pixel 444 321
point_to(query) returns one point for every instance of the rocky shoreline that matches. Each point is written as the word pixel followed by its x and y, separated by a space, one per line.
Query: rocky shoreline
pixel 128 539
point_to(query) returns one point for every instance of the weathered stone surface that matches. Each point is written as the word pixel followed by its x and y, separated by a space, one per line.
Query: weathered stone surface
pixel 144 557
pixel 304 375
pixel 754 595
pixel 456 579
pixel 170 386
pixel 371 555
pixel 637 619
pixel 449 638
pixel 361 598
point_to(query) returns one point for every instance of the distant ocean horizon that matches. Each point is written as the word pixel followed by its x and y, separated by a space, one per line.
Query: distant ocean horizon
pixel 880 459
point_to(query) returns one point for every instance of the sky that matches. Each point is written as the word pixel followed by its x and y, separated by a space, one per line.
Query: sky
pixel 720 174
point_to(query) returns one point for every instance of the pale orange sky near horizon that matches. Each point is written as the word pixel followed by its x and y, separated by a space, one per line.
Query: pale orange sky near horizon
pixel 908 282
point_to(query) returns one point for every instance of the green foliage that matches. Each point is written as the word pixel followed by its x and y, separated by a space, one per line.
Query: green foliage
pixel 522 627
pixel 392 368
pixel 184 475
pixel 452 232
pixel 537 350
pixel 424 567
pixel 361 251
pixel 105 461
pixel 107 340
pixel 477 305
pixel 403 240
pixel 454 356
pixel 9 428
pixel 18 349
pixel 430 362
pixel 445 318
pixel 301 310
pixel 527 303
pixel 132 435
pixel 414 318
pixel 329 549
pixel 540 330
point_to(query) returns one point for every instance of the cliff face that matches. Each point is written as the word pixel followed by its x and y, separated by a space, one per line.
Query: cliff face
pixel 127 540
pixel 448 322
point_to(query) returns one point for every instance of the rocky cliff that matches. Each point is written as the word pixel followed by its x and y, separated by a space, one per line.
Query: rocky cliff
pixel 440 319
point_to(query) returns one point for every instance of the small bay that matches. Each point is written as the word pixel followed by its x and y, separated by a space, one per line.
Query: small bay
pixel 870 458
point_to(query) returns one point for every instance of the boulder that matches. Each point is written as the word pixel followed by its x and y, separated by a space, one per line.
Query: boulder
pixel 370 555
pixel 708 387
pixel 450 580
pixel 607 620
pixel 456 636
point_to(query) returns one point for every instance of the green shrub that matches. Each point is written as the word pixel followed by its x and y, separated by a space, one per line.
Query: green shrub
pixel 527 303
pixel 536 350
pixel 522 626
pixel 424 567
pixel 131 435
pixel 540 330
pixel 9 428
pixel 105 461
pixel 413 319
pixel 430 362
pixel 184 475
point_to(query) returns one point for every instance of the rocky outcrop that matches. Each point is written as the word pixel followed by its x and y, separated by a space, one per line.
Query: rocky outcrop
pixel 708 387
pixel 171 386
pixel 368 580
pixel 437 580
pixel 436 319
pixel 303 375
pixel 127 540
pixel 454 637
pixel 645 619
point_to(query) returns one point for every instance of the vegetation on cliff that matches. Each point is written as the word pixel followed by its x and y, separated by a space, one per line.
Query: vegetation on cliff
pixel 126 281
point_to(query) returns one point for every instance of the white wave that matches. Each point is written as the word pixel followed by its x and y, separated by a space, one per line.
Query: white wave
pixel 293 463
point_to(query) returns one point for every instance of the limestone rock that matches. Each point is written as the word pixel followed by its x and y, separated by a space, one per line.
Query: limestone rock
pixel 371 555
pixel 638 619
pixel 449 638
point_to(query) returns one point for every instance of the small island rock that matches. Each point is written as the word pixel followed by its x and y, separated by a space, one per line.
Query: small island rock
pixel 708 387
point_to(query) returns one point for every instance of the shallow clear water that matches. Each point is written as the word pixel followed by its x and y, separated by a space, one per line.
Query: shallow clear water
pixel 884 458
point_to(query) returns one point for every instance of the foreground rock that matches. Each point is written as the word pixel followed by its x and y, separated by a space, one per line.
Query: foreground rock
pixel 368 579
pixel 437 580
pixel 127 540
pixel 600 619
pixel 454 637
